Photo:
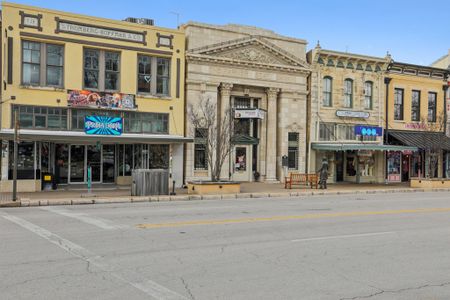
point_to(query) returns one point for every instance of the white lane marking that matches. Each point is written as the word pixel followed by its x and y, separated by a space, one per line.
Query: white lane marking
pixel 132 278
pixel 96 221
pixel 343 236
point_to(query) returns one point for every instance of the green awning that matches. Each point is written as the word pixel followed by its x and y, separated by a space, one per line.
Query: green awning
pixel 242 139
pixel 352 147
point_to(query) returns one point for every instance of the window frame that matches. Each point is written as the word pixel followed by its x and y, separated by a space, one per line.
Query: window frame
pixel 367 84
pixel 42 65
pixel 434 114
pixel 101 86
pixel 200 141
pixel 154 76
pixel 326 92
pixel 402 105
pixel 347 94
pixel 293 147
pixel 415 108
pixel 33 115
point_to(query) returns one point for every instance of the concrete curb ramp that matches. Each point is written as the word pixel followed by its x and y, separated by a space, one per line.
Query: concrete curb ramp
pixel 164 198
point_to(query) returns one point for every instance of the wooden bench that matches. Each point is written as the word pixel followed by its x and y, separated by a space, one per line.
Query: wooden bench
pixel 301 179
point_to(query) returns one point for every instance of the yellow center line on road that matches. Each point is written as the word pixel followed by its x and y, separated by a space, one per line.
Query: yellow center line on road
pixel 295 217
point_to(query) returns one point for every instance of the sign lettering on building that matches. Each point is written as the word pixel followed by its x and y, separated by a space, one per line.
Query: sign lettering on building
pixel 102 125
pixel 352 114
pixel 416 126
pixel 103 32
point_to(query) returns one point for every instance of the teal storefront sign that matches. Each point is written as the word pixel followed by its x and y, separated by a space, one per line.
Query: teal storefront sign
pixel 103 125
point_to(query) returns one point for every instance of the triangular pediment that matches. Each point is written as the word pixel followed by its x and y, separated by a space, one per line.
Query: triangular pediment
pixel 253 49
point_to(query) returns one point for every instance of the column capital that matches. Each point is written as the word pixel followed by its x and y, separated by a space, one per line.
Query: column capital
pixel 225 88
pixel 272 92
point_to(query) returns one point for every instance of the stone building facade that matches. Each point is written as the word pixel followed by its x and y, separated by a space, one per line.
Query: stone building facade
pixel 347 91
pixel 250 70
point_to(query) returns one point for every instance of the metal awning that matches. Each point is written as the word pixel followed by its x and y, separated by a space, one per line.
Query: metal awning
pixel 421 139
pixel 81 137
pixel 243 139
pixel 354 147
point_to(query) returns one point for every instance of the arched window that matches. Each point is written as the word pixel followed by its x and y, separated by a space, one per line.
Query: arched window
pixel 348 93
pixel 327 91
pixel 368 93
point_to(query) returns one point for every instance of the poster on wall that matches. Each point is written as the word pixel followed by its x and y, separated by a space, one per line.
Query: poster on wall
pixel 83 98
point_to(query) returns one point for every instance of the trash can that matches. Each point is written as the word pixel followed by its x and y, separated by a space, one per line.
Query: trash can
pixel 48 182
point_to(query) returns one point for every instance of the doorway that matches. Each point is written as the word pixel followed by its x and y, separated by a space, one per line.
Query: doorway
pixel 242 165
pixel 339 166
pixel 405 167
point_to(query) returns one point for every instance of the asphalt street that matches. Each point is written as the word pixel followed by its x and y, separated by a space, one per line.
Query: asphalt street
pixel 380 246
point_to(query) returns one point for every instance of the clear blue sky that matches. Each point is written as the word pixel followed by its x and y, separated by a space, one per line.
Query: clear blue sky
pixel 413 31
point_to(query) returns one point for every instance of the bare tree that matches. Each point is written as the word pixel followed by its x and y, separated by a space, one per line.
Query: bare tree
pixel 215 130
pixel 432 143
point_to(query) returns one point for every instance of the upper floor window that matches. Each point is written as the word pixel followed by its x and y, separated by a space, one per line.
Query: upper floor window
pixel 368 94
pixel 326 132
pixel 101 70
pixel 432 97
pixel 327 91
pixel 398 104
pixel 153 75
pixel 40 117
pixel 415 106
pixel 42 64
pixel 348 93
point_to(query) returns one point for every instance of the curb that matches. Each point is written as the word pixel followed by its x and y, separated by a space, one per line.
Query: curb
pixel 164 198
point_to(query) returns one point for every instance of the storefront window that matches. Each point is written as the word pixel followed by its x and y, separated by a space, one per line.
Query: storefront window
pixel 366 163
pixel 25 160
pixel 125 160
pixel 158 156
pixel 394 166
pixel 39 117
pixel 241 159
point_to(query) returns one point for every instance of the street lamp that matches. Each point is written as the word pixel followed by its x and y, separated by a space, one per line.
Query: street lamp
pixel 16 127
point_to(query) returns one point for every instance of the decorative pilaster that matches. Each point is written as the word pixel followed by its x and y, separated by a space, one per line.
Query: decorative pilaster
pixel 271 145
pixel 225 104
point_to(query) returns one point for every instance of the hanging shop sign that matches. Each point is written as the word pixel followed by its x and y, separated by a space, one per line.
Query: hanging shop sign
pixel 103 125
pixel 368 130
pixel 76 98
pixel 249 114
pixel 352 114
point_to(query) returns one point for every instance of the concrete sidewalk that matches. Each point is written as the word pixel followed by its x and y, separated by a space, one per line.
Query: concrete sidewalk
pixel 114 194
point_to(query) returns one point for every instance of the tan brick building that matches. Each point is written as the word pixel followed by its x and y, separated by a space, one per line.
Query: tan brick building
pixel 347 90
pixel 250 70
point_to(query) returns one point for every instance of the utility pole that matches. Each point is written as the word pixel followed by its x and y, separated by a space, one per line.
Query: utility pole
pixel 16 128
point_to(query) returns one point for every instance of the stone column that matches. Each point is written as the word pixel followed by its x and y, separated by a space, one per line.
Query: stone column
pixel 224 107
pixel 271 145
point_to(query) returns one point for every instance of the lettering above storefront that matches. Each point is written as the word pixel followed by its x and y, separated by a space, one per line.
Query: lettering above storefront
pixel 98 31
pixel 83 98
pixel 416 126
pixel 249 114
pixel 352 114
pixel 103 125
pixel 368 130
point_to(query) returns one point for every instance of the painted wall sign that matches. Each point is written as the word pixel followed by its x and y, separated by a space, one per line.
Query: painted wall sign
pixel 77 98
pixel 352 114
pixel 103 125
pixel 164 41
pixel 416 126
pixel 368 130
pixel 98 31
pixel 249 114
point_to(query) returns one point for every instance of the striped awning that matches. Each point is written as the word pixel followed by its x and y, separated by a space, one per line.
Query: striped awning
pixel 421 139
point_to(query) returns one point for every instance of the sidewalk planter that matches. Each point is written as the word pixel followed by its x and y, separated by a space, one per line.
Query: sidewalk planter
pixel 213 188
pixel 430 183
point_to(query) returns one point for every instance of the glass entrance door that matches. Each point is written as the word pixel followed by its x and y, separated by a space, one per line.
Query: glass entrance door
pixel 94 160
pixel 77 163
pixel 108 163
